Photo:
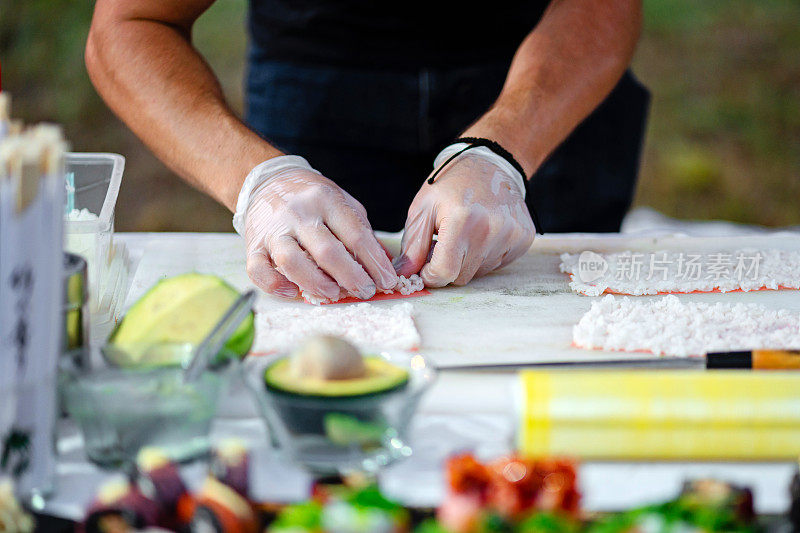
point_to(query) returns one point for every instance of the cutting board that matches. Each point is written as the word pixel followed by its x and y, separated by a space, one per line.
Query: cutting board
pixel 521 314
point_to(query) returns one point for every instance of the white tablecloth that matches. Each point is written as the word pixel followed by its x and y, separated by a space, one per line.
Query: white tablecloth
pixel 523 314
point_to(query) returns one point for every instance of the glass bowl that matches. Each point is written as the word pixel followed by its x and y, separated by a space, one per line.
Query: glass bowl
pixel 332 435
pixel 121 410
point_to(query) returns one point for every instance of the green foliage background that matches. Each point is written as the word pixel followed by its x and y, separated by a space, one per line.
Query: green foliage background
pixel 723 139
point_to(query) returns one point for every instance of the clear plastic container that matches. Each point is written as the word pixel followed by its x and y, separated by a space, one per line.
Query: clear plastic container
pixel 89 227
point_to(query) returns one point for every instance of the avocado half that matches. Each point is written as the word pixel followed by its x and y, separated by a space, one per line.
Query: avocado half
pixel 381 377
pixel 181 309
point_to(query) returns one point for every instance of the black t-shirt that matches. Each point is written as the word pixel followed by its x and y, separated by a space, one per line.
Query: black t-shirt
pixel 377 33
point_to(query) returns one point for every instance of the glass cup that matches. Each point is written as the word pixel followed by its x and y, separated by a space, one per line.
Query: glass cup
pixel 121 410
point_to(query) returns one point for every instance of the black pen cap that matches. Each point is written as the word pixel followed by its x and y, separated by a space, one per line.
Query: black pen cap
pixel 729 360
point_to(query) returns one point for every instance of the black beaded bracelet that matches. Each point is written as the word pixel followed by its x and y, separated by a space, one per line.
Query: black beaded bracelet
pixel 475 142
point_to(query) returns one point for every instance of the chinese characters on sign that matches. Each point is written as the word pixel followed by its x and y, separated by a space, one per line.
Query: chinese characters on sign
pixel 21 282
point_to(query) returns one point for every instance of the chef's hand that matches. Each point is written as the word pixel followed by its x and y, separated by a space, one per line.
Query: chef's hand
pixel 476 207
pixel 304 233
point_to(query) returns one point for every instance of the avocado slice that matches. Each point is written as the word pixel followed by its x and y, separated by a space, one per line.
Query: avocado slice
pixel 180 309
pixel 347 430
pixel 381 376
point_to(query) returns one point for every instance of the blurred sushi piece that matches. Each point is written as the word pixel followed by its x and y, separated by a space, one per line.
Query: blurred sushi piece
pixel 221 509
pixel 158 477
pixel 344 517
pixel 230 464
pixel 713 494
pixel 119 507
pixel 344 510
pixel 703 506
pixel 323 488
pixel 508 490
pixel 326 488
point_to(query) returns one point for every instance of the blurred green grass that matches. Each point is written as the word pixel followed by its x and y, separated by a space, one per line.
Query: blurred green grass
pixel 723 139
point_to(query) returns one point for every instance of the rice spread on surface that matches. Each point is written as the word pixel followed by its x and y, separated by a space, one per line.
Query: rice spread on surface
pixel 405 286
pixel 365 325
pixel 649 273
pixel 666 326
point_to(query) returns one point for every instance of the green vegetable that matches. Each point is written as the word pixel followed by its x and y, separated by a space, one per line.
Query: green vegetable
pixel 364 504
pixel 382 376
pixel 298 518
pixel 677 515
pixel 548 523
pixel 176 312
pixel 494 523
pixel 371 498
pixel 430 525
pixel 345 430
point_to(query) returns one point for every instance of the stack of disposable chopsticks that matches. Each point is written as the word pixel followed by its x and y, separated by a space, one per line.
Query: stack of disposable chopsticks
pixel 31 265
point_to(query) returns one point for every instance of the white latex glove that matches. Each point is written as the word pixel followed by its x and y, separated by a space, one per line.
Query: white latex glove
pixel 476 207
pixel 304 233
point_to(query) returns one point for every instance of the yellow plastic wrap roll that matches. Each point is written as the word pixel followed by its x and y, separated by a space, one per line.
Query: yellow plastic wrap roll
pixel 719 415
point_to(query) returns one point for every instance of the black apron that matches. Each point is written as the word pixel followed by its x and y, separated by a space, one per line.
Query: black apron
pixel 369 93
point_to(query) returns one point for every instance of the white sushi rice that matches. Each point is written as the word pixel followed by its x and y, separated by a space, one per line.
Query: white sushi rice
pixel 366 325
pixel 405 286
pixel 640 273
pixel 81 215
pixel 666 326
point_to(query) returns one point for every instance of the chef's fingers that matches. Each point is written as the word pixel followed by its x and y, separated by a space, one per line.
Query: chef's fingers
pixel 512 243
pixel 365 248
pixel 480 239
pixel 502 239
pixel 295 263
pixel 385 250
pixel 522 236
pixel 355 204
pixel 265 277
pixel 331 256
pixel 523 244
pixel 417 241
pixel 489 265
pixel 449 255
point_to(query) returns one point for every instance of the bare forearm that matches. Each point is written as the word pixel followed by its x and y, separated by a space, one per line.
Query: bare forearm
pixel 560 73
pixel 151 76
